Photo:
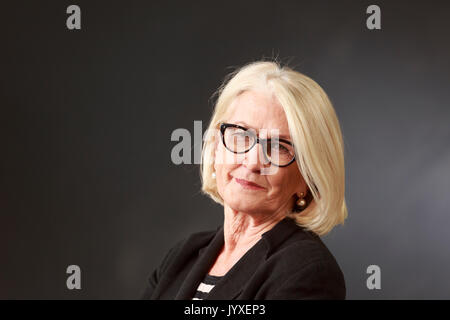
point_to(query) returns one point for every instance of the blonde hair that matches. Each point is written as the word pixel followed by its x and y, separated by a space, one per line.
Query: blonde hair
pixel 315 132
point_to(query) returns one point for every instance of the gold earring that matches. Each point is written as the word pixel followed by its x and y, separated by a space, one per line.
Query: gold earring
pixel 301 202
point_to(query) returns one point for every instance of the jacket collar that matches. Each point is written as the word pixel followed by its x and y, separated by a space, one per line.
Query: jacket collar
pixel 233 282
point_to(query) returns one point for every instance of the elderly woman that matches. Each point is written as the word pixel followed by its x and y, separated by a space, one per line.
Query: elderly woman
pixel 273 157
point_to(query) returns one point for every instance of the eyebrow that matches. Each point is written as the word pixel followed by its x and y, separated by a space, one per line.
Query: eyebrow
pixel 281 136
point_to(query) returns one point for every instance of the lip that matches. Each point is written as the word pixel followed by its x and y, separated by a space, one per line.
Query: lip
pixel 248 184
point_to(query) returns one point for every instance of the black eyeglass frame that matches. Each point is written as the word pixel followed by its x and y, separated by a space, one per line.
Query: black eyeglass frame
pixel 224 126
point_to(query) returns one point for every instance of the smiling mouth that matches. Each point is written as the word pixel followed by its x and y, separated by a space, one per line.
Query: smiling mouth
pixel 248 185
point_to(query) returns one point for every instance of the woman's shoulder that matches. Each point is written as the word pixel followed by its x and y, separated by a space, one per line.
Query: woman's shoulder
pixel 304 248
pixel 304 260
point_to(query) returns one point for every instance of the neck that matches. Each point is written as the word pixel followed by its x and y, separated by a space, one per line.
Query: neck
pixel 243 230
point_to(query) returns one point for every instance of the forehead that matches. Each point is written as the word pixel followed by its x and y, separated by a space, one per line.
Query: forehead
pixel 259 110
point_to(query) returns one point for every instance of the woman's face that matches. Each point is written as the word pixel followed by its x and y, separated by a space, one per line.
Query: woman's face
pixel 277 186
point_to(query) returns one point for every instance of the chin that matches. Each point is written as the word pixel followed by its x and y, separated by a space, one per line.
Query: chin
pixel 244 205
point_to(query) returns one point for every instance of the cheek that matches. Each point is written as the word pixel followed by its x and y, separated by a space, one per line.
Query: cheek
pixel 284 184
pixel 225 161
pixel 223 171
pixel 227 158
pixel 224 180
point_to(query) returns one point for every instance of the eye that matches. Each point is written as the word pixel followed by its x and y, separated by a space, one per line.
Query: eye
pixel 280 148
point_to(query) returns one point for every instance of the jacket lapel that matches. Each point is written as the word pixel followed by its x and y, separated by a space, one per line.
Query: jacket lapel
pixel 234 280
pixel 238 276
pixel 181 261
pixel 207 256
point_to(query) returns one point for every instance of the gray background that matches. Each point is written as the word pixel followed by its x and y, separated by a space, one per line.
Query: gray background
pixel 86 175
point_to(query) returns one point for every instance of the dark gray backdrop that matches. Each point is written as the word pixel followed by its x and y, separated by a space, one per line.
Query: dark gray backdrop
pixel 86 175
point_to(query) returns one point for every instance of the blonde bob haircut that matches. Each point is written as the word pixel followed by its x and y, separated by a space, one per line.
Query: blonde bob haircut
pixel 314 130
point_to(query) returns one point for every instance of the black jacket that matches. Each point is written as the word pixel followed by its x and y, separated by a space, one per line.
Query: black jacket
pixel 288 262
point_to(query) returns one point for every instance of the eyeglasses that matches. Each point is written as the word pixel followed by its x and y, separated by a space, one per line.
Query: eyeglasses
pixel 238 139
